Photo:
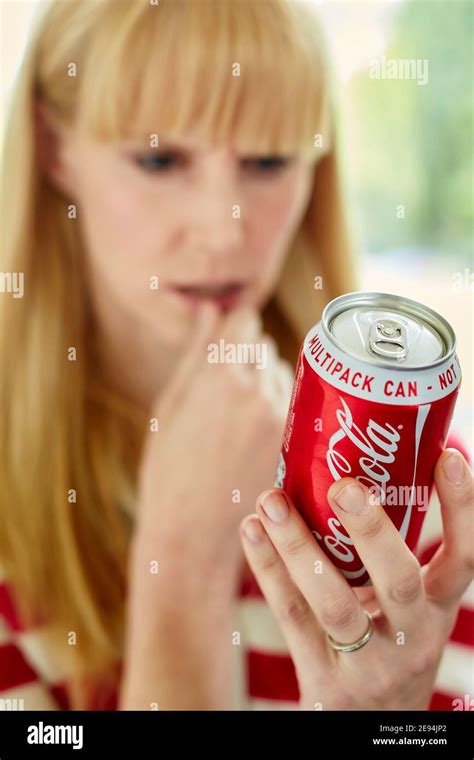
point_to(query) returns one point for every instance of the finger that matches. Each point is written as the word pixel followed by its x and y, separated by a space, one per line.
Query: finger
pixel 325 589
pixel 291 610
pixel 206 323
pixel 394 570
pixel 451 570
pixel 242 326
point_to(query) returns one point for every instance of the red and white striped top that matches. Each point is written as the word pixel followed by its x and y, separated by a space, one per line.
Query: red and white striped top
pixel 264 676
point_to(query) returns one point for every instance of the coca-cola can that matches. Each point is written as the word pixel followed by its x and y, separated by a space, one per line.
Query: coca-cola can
pixel 374 392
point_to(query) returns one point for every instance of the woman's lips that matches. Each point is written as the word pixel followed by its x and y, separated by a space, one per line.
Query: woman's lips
pixel 225 296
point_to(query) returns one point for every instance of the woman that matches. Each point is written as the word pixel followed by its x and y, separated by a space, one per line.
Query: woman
pixel 174 183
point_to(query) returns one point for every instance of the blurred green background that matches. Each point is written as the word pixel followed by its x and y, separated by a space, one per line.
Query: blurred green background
pixel 412 144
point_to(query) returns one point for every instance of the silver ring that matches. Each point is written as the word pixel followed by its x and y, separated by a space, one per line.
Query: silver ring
pixel 355 644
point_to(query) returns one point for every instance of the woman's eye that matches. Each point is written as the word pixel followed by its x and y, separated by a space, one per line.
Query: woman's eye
pixel 158 162
pixel 267 164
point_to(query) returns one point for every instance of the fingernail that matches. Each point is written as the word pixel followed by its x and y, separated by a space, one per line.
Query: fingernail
pixel 351 499
pixel 275 506
pixel 454 468
pixel 253 529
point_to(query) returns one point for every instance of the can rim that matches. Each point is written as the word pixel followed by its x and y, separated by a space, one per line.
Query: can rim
pixel 389 300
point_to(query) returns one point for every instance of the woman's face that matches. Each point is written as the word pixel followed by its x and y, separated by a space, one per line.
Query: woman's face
pixel 179 216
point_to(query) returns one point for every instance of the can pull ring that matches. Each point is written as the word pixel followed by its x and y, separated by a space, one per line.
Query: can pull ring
pixel 388 338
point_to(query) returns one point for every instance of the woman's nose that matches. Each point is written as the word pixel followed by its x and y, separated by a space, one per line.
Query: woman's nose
pixel 216 224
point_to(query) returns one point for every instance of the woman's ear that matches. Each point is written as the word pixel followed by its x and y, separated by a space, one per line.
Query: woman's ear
pixel 49 145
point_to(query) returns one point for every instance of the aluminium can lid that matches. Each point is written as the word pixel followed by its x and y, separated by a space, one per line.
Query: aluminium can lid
pixel 388 330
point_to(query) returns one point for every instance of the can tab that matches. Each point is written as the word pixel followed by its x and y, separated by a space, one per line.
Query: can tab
pixel 388 338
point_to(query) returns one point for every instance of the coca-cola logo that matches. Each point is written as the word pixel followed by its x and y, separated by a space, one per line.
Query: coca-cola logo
pixel 378 446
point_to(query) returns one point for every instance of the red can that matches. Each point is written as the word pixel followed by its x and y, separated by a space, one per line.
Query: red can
pixel 374 392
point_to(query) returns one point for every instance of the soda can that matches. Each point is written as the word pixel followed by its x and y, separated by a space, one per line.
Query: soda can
pixel 375 387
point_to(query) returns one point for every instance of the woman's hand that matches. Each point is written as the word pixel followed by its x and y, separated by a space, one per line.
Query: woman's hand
pixel 414 609
pixel 220 432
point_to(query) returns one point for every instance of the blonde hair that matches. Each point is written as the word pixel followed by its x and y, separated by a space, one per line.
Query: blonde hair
pixel 140 69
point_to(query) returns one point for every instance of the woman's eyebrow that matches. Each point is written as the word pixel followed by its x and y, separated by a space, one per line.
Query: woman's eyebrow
pixel 151 143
